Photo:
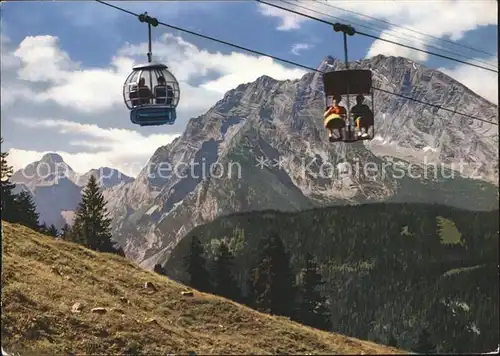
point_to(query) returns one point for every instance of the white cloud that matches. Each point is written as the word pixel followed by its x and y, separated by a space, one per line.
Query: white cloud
pixel 90 90
pixel 445 18
pixel 188 62
pixel 289 21
pixel 298 47
pixel 125 150
pixel 94 90
pixel 42 60
pixel 478 80
pixel 389 49
pixel 451 18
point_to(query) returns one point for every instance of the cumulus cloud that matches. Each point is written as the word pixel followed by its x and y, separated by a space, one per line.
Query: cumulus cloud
pixel 288 20
pixel 43 82
pixel 419 16
pixel 43 61
pixel 125 150
pixel 97 89
pixel 390 49
pixel 478 80
pixel 188 62
pixel 299 47
pixel 433 18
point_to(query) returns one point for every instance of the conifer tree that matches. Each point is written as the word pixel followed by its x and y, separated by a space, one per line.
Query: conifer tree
pixel 313 310
pixel 53 231
pixel 425 344
pixel 8 210
pixel 92 227
pixel 273 282
pixel 224 283
pixel 66 232
pixel 43 228
pixel 392 341
pixel 199 277
pixel 26 210
pixel 249 298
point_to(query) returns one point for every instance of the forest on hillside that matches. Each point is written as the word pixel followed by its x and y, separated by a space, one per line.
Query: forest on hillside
pixel 396 274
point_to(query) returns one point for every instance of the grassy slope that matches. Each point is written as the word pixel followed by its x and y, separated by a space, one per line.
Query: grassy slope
pixel 42 278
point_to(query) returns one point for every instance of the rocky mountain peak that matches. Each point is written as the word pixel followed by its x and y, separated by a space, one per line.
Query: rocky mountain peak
pixel 106 177
pixel 56 188
pixel 47 171
pixel 213 168
pixel 52 158
pixel 281 123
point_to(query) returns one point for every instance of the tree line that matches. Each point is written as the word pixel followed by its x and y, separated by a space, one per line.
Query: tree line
pixel 91 226
pixel 394 273
pixel 271 286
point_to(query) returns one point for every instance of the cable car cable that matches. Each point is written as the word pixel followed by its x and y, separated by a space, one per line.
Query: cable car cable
pixel 379 38
pixel 390 35
pixel 405 28
pixel 295 63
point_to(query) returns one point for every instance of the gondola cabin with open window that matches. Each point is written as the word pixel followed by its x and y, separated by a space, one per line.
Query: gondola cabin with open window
pixel 345 123
pixel 151 93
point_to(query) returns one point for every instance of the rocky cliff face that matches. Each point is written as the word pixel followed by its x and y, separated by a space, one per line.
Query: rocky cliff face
pixel 263 147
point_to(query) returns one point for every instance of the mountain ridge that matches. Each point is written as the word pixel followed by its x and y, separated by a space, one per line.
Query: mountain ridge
pixel 56 187
pixel 454 158
pixel 273 118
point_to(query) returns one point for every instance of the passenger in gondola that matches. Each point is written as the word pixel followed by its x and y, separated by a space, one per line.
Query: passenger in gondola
pixel 363 116
pixel 170 95
pixel 134 95
pixel 334 118
pixel 145 94
pixel 164 93
pixel 161 91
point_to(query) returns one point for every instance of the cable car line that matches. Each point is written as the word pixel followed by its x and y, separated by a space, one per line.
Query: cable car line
pixel 390 35
pixel 294 63
pixel 215 39
pixel 405 28
pixel 379 38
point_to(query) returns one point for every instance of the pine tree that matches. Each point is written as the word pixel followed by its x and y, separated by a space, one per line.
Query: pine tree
pixel 52 231
pixel 8 210
pixel 249 298
pixel 43 228
pixel 196 267
pixel 66 232
pixel 424 343
pixel 273 282
pixel 224 283
pixel 313 309
pixel 92 227
pixel 26 210
pixel 392 341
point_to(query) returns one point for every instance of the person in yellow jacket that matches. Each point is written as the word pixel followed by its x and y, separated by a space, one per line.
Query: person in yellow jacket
pixel 334 117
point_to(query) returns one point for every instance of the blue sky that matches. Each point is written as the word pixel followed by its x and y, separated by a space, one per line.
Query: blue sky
pixel 80 40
